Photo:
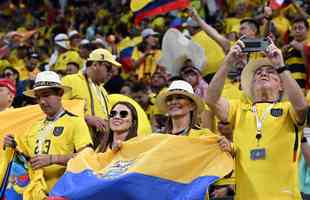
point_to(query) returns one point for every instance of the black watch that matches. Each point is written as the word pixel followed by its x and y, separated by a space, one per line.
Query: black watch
pixel 304 140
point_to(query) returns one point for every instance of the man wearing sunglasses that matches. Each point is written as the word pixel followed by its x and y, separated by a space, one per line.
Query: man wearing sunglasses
pixel 88 85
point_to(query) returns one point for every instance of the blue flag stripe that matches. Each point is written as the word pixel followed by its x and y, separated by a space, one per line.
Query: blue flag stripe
pixel 135 186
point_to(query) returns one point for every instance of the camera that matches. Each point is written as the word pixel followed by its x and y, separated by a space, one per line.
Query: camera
pixel 255 44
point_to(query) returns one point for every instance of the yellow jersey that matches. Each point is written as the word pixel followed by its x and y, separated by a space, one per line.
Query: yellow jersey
pixel 272 176
pixel 80 90
pixel 149 66
pixel 66 135
pixel 62 60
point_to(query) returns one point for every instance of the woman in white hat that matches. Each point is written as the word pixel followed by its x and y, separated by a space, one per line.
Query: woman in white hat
pixel 183 108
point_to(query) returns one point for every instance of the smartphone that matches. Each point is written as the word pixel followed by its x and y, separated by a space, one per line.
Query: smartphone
pixel 255 44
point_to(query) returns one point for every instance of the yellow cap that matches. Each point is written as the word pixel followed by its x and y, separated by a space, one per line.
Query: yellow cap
pixel 103 55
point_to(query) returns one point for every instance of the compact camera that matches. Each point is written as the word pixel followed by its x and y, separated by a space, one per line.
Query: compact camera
pixel 255 44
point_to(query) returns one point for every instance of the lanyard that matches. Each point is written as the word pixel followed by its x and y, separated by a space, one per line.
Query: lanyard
pixel 259 121
pixel 46 128
pixel 100 97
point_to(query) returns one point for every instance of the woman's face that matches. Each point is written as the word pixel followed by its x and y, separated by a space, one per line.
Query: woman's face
pixel 120 119
pixel 179 105
pixel 191 77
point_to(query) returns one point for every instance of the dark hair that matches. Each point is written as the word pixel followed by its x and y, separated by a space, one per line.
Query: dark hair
pixel 139 87
pixel 253 24
pixel 298 19
pixel 75 64
pixel 132 131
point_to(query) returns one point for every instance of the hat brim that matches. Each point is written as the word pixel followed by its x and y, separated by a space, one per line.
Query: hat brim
pixel 247 75
pixel 162 105
pixel 31 93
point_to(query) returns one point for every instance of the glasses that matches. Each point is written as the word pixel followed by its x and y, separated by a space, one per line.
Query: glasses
pixel 123 113
pixel 176 97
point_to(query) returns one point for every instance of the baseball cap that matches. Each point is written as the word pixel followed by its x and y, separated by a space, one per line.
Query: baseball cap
pixel 103 55
pixel 147 32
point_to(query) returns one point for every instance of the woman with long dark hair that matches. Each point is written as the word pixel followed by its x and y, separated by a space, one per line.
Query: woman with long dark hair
pixel 126 120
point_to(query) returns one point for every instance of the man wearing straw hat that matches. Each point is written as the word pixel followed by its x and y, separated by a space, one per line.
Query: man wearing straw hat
pixel 266 127
pixel 51 142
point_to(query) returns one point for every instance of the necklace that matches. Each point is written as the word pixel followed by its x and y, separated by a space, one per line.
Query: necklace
pixel 259 121
pixel 100 96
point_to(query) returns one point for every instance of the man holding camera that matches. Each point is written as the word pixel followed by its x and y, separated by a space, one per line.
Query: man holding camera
pixel 265 135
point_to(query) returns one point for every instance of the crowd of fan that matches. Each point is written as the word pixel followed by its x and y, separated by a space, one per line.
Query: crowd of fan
pixel 59 36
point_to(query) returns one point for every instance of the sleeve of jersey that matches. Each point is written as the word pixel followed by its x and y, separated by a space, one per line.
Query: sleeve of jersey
pixel 292 113
pixel 67 82
pixel 232 110
pixel 81 135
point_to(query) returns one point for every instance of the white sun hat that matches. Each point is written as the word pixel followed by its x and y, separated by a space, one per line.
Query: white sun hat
pixel 44 80
pixel 182 88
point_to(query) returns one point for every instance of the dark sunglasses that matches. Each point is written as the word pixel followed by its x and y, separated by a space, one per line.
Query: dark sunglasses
pixel 122 113
pixel 176 97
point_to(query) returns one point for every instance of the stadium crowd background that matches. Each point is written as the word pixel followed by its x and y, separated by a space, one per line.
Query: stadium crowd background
pixel 40 35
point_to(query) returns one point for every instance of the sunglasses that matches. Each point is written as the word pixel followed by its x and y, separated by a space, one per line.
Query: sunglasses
pixel 123 113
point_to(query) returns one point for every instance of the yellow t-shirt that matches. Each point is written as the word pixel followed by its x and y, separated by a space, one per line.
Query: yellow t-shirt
pixel 68 134
pixel 4 63
pixel 282 24
pixel 80 90
pixel 149 66
pixel 200 132
pixel 61 63
pixel 276 176
pixel 25 74
pixel 232 24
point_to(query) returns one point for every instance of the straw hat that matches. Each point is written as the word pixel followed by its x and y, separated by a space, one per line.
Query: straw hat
pixel 182 88
pixel 44 80
pixel 248 72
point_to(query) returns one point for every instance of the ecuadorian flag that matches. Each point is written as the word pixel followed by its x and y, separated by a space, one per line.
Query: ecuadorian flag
pixel 147 8
pixel 155 167
pixel 278 4
pixel 126 48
